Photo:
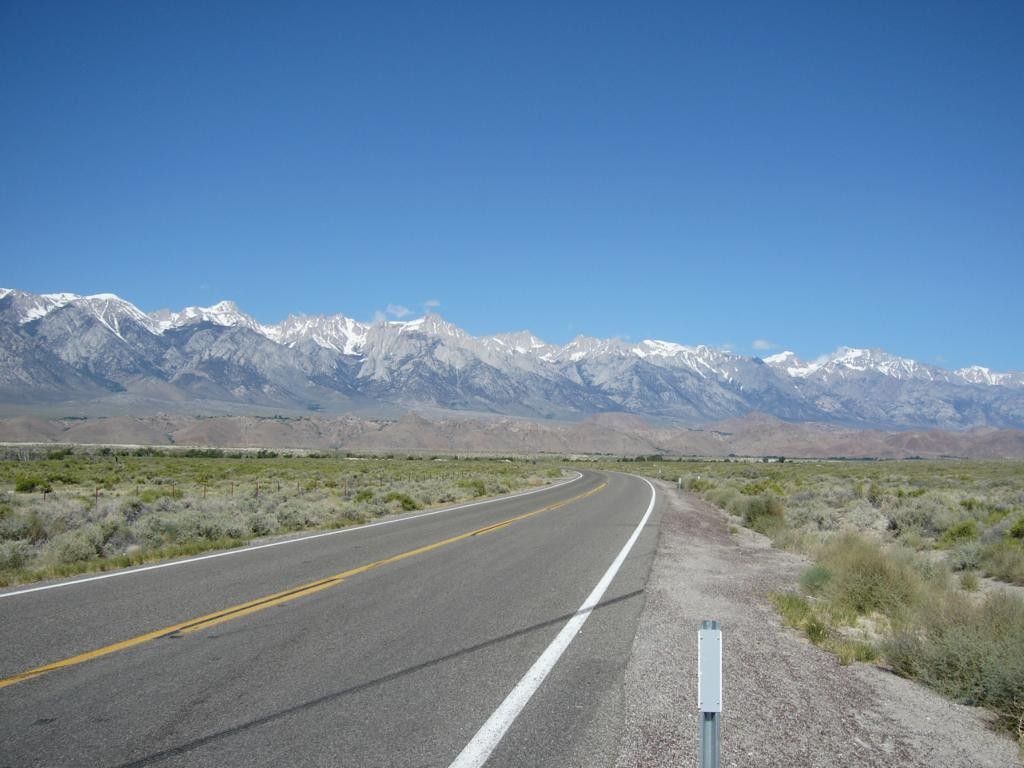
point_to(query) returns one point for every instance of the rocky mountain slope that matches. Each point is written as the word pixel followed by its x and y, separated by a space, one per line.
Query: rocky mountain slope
pixel 64 350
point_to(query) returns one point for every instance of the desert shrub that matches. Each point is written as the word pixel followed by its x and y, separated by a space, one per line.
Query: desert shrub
pixel 761 487
pixel 86 543
pixel 294 518
pixel 14 555
pixel 477 487
pixel 152 495
pixel 1016 531
pixel 354 516
pixel 972 653
pixel 965 530
pixel 407 502
pixel 364 496
pixel 965 556
pixel 25 483
pixel 969 581
pixel 262 525
pixel 763 512
pixel 1004 560
pixel 725 497
pixel 698 484
pixel 867 579
pixel 815 579
pixel 28 526
pixel 132 510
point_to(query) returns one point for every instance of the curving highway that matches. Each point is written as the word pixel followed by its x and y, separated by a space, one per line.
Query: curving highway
pixel 493 633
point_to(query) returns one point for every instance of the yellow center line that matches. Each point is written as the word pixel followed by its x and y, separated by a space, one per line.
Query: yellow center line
pixel 278 598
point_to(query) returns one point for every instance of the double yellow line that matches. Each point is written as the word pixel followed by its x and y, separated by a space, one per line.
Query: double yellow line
pixel 279 598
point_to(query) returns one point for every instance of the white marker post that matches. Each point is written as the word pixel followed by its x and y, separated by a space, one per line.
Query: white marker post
pixel 709 692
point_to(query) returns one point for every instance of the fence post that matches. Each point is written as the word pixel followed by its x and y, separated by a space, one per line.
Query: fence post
pixel 709 692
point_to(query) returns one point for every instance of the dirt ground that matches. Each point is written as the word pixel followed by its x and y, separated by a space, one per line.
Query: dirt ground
pixel 786 702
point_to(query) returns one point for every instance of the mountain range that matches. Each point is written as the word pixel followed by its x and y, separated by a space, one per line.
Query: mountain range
pixel 102 354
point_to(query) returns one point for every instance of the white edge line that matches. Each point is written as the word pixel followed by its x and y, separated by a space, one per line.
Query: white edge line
pixel 480 747
pixel 244 550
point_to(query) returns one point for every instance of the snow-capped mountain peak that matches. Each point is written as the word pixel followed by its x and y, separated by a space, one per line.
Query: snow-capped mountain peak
pixel 431 324
pixel 337 332
pixel 977 374
pixel 68 346
pixel 223 313
pixel 518 342
pixel 31 306
pixel 111 310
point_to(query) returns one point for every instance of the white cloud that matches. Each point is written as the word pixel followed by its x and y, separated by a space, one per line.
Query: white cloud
pixel 397 310
pixel 431 304
pixel 763 345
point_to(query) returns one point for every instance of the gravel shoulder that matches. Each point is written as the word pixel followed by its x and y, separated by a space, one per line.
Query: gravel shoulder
pixel 787 702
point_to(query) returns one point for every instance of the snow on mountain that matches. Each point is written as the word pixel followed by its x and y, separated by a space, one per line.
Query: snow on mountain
pixel 109 309
pixel 337 332
pixel 69 345
pixel 847 360
pixel 517 345
pixel 223 313
pixel 112 311
pixel 31 306
pixel 432 325
pixel 976 374
pixel 790 363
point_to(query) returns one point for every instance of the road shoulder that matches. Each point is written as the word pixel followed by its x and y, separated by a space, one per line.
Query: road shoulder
pixel 786 702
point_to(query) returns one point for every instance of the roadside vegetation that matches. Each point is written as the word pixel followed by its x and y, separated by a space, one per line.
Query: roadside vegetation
pixel 67 511
pixel 917 565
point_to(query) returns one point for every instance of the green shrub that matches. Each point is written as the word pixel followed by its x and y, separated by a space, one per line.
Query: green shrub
pixel 13 555
pixel 699 484
pixel 966 556
pixel 761 487
pixel 476 486
pixel 261 525
pixel 969 581
pixel 815 579
pixel 364 496
pixel 762 513
pixel 1004 560
pixel 971 653
pixel 407 502
pixel 354 516
pixel 1016 531
pixel 29 483
pixel 867 579
pixel 29 527
pixel 84 544
pixel 965 530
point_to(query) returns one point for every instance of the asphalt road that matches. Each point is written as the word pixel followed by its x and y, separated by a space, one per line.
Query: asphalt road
pixel 399 664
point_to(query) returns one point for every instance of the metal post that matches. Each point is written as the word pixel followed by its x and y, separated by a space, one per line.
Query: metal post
pixel 709 692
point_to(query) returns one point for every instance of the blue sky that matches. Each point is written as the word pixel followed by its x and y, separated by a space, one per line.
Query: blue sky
pixel 809 174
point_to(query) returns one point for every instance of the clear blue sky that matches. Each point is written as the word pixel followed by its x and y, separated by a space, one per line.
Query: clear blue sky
pixel 808 174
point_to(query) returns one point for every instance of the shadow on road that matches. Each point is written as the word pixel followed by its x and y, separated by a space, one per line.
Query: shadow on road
pixel 313 703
